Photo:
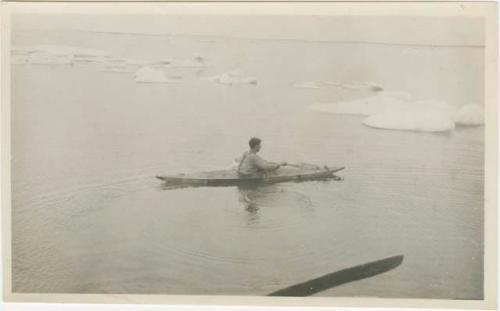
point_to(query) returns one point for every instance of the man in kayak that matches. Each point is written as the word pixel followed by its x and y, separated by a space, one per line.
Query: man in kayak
pixel 253 165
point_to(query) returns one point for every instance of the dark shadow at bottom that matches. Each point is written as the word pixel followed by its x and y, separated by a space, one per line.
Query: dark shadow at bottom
pixel 340 277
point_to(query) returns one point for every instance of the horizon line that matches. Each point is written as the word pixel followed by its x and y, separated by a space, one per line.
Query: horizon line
pixel 262 39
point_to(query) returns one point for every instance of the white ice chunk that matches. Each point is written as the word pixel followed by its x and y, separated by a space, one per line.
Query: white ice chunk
pixel 233 77
pixel 425 116
pixel 396 111
pixel 411 120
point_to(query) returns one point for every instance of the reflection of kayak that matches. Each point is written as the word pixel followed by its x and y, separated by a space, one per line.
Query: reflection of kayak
pixel 300 172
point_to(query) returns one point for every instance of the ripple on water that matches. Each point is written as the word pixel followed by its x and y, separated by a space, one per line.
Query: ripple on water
pixel 272 208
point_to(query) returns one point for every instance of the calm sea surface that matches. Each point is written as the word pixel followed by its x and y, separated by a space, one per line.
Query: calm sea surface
pixel 88 216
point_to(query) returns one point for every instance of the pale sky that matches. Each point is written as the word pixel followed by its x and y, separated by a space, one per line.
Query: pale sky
pixel 403 30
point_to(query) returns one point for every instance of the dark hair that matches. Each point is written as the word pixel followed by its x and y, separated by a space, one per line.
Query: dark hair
pixel 254 141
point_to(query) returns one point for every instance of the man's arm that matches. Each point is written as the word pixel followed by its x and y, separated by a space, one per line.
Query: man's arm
pixel 263 164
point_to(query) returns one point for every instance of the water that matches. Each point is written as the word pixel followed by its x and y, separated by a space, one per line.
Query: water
pixel 88 215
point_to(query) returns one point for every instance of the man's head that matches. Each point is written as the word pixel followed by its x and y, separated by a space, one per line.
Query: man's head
pixel 254 144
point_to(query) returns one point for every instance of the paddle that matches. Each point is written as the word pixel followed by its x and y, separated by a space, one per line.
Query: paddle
pixel 302 165
pixel 340 277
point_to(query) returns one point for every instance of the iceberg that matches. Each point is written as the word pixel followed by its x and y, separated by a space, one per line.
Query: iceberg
pixel 396 111
pixel 470 115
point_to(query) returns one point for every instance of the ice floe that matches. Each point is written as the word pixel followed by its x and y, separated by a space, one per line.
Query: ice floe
pixel 398 111
pixel 57 55
pixel 411 120
pixel 147 71
pixel 68 55
pixel 371 86
pixel 363 86
pixel 233 77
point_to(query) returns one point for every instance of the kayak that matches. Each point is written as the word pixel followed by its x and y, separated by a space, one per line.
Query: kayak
pixel 295 173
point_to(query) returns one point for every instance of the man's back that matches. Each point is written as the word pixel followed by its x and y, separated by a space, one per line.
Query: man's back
pixel 252 164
